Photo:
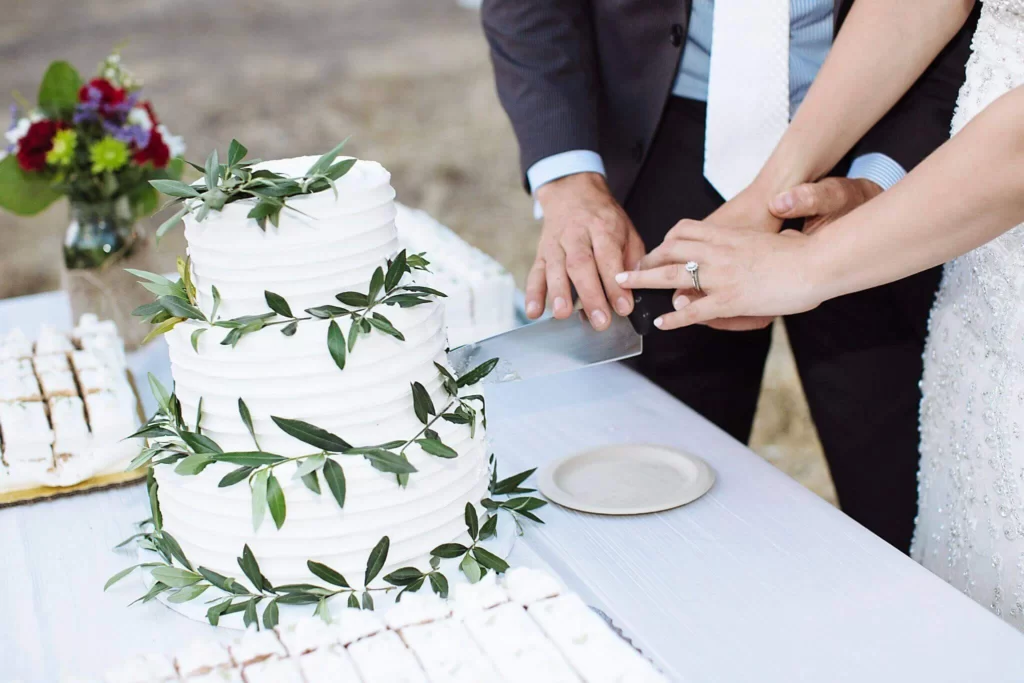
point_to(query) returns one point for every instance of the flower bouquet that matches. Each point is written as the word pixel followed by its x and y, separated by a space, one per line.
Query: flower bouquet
pixel 98 143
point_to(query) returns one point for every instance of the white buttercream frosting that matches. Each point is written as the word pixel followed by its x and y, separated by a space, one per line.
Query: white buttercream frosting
pixel 322 245
pixel 333 246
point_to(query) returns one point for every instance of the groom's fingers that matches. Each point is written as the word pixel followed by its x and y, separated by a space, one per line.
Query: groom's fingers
pixel 558 283
pixel 826 196
pixel 536 289
pixel 582 270
pixel 610 262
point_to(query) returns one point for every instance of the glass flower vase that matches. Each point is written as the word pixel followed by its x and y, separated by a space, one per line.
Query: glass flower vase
pixel 99 233
pixel 101 241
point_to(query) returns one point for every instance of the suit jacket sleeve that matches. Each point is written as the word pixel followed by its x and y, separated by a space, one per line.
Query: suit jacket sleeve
pixel 920 121
pixel 546 73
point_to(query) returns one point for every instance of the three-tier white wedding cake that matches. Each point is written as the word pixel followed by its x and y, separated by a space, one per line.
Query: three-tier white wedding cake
pixel 314 412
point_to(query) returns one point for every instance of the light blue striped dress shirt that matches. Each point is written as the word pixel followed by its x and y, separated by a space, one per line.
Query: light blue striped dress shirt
pixel 810 38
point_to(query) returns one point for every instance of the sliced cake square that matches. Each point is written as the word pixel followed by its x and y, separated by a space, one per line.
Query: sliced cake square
pixel 384 657
pixel 446 652
pixel 273 670
pixel 328 665
pixel 517 647
pixel 256 646
pixel 70 430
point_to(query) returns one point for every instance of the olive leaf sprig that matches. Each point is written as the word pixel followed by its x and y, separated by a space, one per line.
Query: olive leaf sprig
pixel 235 180
pixel 459 410
pixel 175 575
pixel 171 442
pixel 385 289
pixel 176 302
pixel 476 560
pixel 507 495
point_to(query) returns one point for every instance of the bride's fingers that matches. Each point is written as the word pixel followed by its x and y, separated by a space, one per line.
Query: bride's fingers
pixel 698 311
pixel 675 251
pixel 671 276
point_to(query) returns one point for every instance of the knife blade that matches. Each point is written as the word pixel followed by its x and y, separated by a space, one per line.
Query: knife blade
pixel 552 346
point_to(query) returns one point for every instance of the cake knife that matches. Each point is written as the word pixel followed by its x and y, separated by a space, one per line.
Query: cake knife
pixel 551 346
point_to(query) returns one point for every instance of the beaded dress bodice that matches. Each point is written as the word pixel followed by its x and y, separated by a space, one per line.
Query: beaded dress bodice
pixel 970 526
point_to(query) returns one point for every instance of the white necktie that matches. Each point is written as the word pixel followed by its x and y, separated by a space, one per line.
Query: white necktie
pixel 748 90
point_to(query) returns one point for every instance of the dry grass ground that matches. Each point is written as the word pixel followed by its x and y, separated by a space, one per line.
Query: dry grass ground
pixel 409 79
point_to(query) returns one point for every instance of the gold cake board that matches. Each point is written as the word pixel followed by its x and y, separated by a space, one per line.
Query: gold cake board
pixel 98 483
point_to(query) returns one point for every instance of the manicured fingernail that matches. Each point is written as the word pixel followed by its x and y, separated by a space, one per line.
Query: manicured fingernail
pixel 599 318
pixel 559 303
pixel 678 303
pixel 658 322
pixel 532 309
pixel 622 306
pixel 621 278
pixel 783 202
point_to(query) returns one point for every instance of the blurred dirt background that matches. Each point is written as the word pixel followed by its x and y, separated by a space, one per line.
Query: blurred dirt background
pixel 410 80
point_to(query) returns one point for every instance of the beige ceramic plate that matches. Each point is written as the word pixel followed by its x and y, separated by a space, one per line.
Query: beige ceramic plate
pixel 626 479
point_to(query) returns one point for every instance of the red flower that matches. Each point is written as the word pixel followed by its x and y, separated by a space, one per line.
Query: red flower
pixel 108 93
pixel 37 142
pixel 157 151
pixel 152 114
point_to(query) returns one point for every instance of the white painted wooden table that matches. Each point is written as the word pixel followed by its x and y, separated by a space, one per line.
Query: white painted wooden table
pixel 758 581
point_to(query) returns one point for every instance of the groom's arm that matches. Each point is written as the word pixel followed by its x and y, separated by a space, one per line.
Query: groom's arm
pixel 919 123
pixel 547 80
pixel 545 67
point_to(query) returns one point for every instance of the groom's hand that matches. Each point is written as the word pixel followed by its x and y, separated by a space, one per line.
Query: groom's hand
pixel 823 202
pixel 587 240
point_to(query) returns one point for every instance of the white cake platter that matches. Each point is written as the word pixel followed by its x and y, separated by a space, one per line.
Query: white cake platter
pixel 501 545
pixel 626 479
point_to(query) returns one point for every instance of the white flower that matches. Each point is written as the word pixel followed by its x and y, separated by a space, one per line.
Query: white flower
pixel 138 116
pixel 175 143
pixel 35 116
pixel 14 135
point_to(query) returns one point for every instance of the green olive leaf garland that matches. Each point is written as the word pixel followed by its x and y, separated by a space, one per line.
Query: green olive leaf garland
pixel 176 301
pixel 176 577
pixel 172 442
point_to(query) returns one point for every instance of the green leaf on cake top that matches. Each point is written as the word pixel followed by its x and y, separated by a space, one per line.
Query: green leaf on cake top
pixel 223 184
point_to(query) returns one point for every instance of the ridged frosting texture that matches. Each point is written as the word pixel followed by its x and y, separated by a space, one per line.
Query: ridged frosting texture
pixel 323 245
pixel 369 402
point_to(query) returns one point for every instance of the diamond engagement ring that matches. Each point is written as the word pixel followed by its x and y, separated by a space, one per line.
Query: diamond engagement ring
pixel 692 268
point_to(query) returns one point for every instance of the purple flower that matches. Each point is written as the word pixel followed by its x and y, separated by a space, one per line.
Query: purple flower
pixel 14 124
pixel 86 112
pixel 129 135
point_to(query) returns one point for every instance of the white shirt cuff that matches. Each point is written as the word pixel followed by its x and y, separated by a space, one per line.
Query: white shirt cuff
pixel 560 165
pixel 878 168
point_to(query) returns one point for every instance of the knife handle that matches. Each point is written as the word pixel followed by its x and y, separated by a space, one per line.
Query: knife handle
pixel 648 304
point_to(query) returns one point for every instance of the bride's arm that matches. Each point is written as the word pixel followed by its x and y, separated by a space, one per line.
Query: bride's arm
pixel 968 192
pixel 882 49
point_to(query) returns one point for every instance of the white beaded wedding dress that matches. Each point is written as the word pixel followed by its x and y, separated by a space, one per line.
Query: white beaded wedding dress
pixel 970 525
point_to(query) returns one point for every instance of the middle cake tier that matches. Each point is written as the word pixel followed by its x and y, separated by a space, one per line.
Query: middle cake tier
pixel 368 403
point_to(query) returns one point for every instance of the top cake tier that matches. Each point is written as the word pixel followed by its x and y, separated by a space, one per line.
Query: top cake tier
pixel 324 244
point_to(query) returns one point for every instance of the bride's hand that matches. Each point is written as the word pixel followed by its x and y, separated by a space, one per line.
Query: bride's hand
pixel 742 273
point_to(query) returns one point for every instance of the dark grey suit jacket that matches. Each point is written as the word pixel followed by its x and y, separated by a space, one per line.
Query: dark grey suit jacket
pixel 596 74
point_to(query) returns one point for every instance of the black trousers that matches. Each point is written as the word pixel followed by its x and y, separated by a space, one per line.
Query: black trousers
pixel 859 356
